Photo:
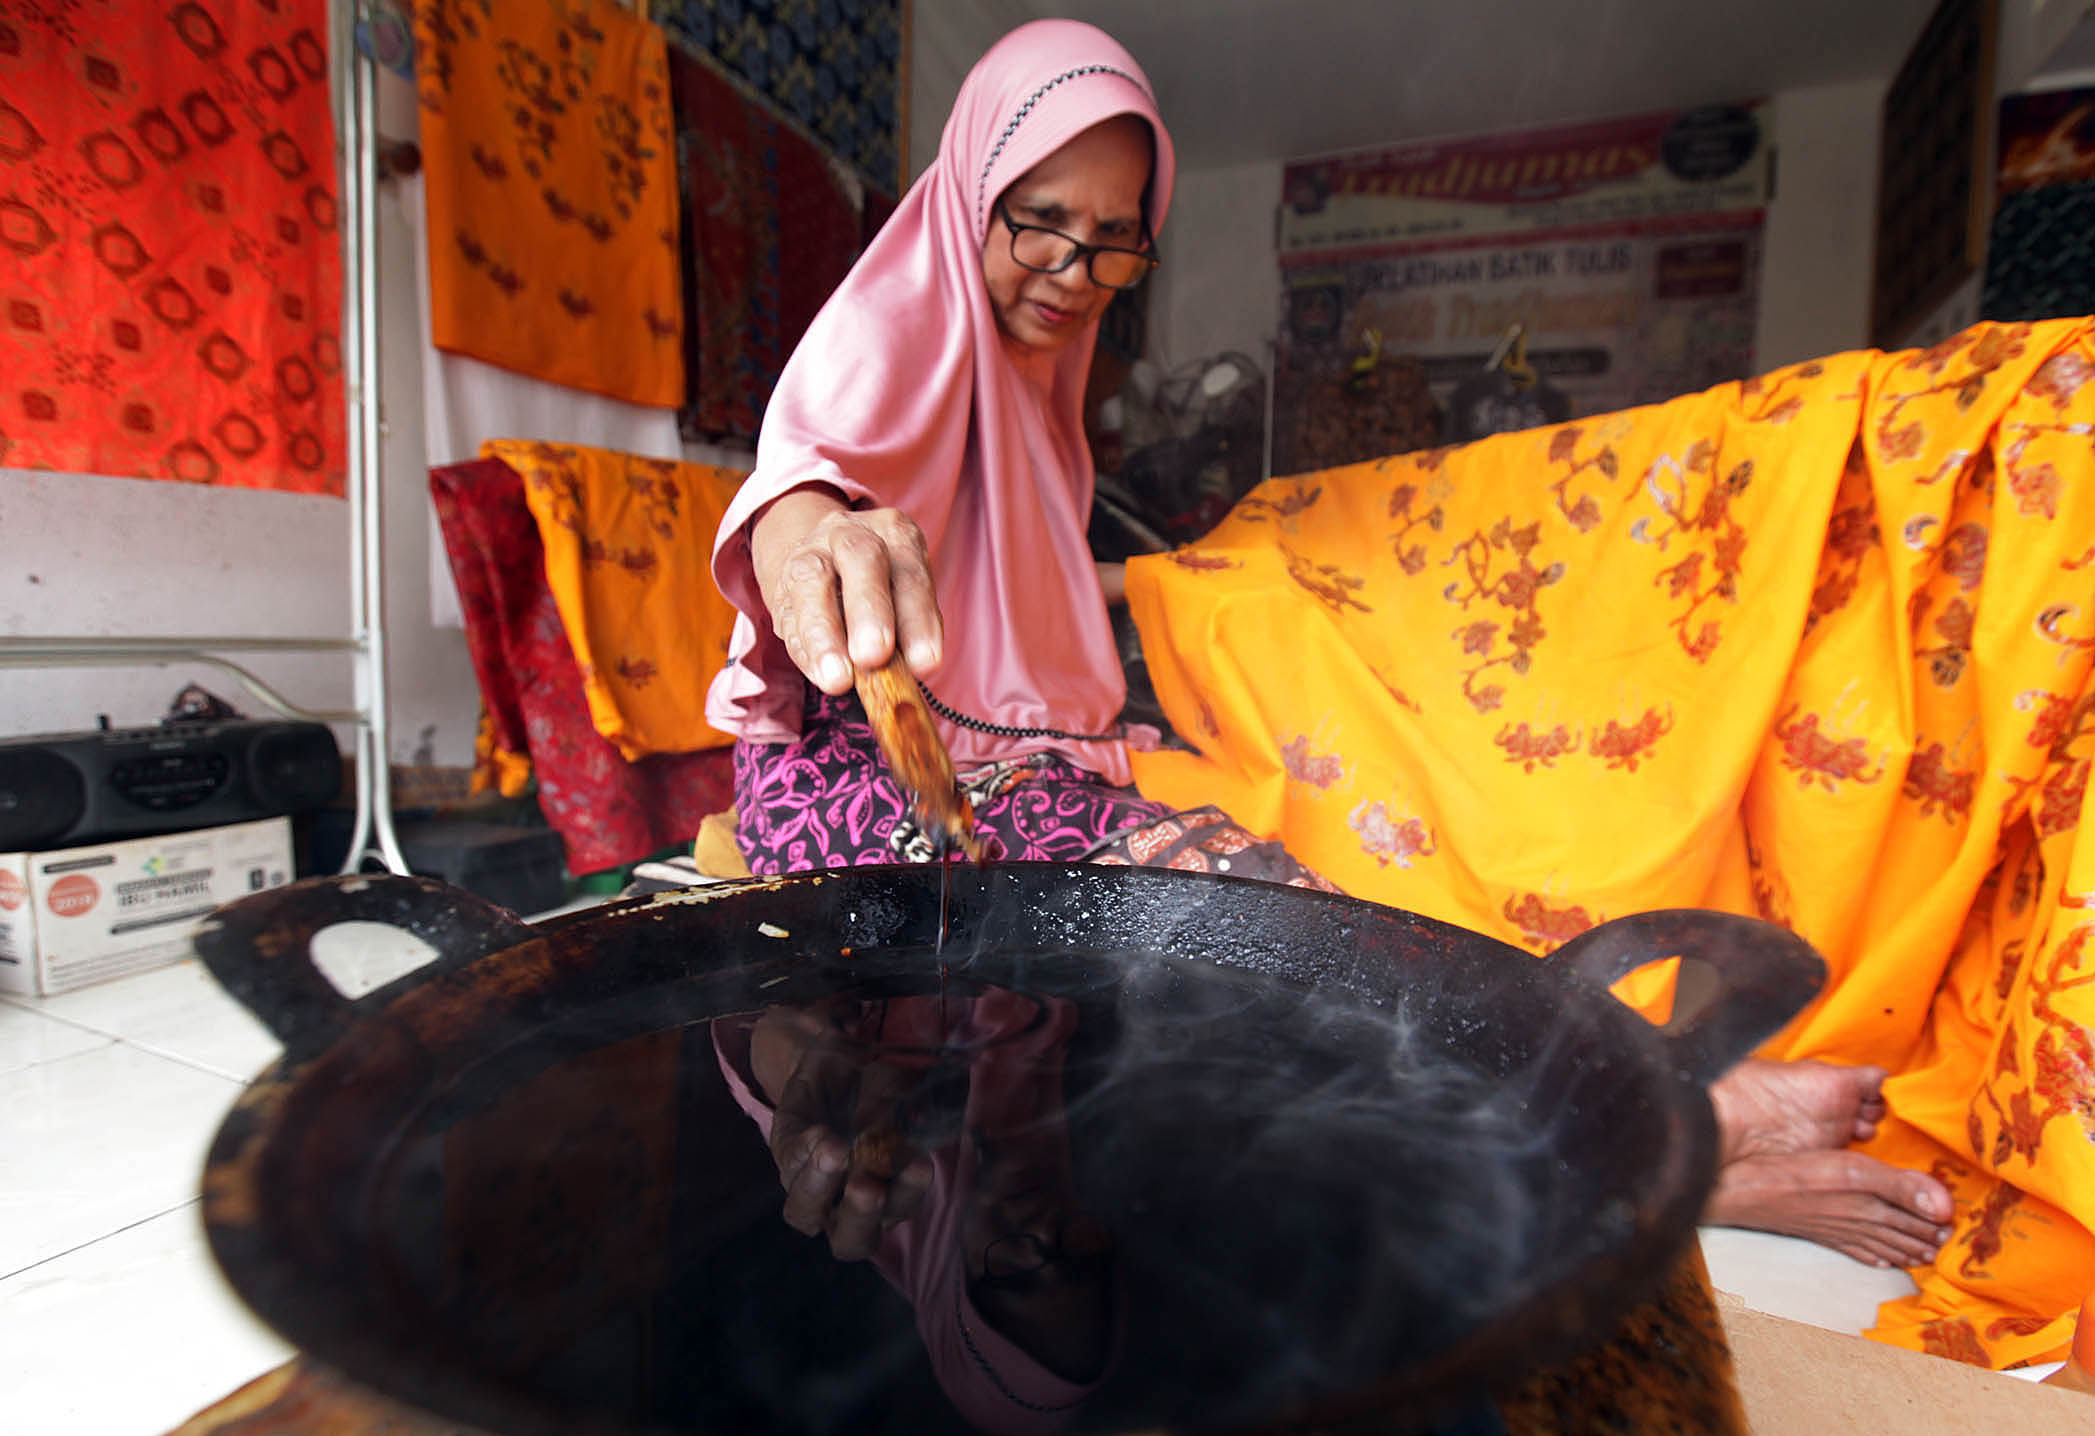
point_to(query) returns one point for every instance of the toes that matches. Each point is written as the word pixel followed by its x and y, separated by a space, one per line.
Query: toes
pixel 1872 1247
pixel 1914 1193
pixel 1911 1253
pixel 1928 1197
pixel 2084 1335
pixel 1906 1226
pixel 1871 1254
pixel 1911 1248
pixel 1881 1246
pixel 1855 1204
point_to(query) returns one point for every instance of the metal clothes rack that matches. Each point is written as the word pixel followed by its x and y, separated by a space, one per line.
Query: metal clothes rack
pixel 355 89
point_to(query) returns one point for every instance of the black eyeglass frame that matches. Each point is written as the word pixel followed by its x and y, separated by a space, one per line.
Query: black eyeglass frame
pixel 1080 250
pixel 1034 1256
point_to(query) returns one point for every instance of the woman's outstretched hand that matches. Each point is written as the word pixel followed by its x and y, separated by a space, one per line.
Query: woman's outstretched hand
pixel 845 587
pixel 850 1190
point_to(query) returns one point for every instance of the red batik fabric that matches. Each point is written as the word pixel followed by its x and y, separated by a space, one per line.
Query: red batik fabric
pixel 170 266
pixel 609 812
pixel 775 225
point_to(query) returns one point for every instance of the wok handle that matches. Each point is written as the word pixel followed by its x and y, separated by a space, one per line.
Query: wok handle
pixel 260 948
pixel 1741 978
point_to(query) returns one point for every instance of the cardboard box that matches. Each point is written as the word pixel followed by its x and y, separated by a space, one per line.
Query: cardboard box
pixel 84 915
pixel 1799 1380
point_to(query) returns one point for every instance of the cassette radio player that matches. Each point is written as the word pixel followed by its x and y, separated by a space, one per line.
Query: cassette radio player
pixel 64 790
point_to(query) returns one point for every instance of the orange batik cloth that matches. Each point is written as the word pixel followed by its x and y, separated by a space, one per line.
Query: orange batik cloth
pixel 628 546
pixel 552 193
pixel 1815 647
pixel 170 267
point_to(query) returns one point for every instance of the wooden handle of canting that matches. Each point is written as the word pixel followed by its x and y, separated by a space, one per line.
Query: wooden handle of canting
pixel 909 741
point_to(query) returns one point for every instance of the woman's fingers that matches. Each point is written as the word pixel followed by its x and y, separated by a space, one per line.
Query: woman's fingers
pixel 826 1196
pixel 855 1226
pixel 807 617
pixel 906 1192
pixel 849 589
pixel 919 628
pixel 858 547
pixel 870 1204
pixel 830 1190
pixel 890 600
pixel 812 1164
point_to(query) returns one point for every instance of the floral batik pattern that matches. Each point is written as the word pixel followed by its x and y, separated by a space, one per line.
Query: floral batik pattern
pixel 1818 646
pixel 550 176
pixel 827 800
pixel 608 811
pixel 626 542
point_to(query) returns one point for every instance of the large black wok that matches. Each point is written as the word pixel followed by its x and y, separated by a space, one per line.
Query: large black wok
pixel 1322 1163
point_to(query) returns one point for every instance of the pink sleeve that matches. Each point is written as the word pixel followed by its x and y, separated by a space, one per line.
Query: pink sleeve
pixel 731 1046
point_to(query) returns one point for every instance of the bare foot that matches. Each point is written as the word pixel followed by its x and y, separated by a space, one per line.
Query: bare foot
pixel 2078 1374
pixel 1857 1205
pixel 1767 1109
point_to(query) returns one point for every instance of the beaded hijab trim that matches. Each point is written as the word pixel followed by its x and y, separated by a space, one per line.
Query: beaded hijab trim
pixel 968 720
pixel 1018 118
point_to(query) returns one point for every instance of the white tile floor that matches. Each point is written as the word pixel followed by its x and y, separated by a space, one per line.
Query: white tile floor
pixel 113 1318
pixel 115 1322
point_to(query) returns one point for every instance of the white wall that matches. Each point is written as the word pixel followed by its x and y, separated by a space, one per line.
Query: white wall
pixel 2030 31
pixel 1218 288
pixel 93 556
pixel 435 697
pixel 946 38
pixel 1820 239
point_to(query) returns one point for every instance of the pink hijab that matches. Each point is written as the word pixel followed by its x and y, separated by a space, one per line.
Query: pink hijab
pixel 903 395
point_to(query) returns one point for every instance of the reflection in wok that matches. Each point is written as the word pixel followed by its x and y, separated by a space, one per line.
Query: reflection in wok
pixel 1061 1192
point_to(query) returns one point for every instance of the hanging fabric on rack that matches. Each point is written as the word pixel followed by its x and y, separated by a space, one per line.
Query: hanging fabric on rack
pixel 551 193
pixel 774 225
pixel 628 543
pixel 167 200
pixel 609 812
pixel 838 75
pixel 466 402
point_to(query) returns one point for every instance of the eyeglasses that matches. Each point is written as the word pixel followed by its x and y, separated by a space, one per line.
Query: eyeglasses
pixel 1050 251
pixel 1080 1247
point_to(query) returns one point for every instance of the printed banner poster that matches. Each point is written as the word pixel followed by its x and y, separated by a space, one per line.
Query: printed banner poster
pixel 1628 252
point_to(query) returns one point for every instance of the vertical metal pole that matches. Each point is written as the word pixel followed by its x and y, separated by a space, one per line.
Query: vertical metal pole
pixel 342 66
pixel 356 107
pixel 379 726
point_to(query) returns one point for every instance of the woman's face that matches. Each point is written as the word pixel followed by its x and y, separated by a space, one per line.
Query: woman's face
pixel 1091 190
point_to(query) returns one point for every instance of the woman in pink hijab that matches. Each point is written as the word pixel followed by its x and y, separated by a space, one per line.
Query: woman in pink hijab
pixel 923 482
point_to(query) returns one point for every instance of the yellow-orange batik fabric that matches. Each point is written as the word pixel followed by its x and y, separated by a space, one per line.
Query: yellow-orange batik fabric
pixel 552 192
pixel 1815 647
pixel 627 543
